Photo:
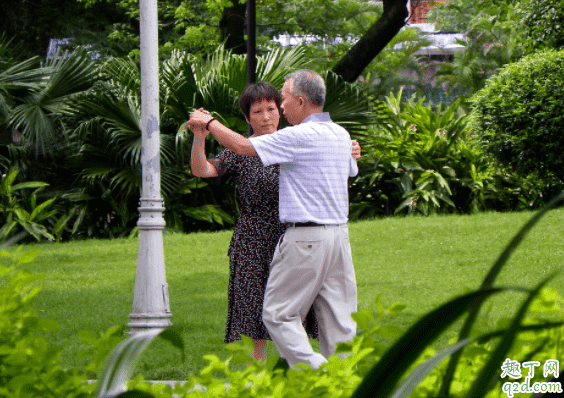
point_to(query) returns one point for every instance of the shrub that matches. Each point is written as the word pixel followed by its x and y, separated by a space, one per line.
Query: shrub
pixel 421 160
pixel 28 366
pixel 22 213
pixel 519 114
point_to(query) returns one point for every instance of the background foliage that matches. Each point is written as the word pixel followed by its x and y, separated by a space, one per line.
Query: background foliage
pixel 494 38
pixel 519 115
pixel 75 126
pixel 30 26
pixel 544 23
pixel 422 160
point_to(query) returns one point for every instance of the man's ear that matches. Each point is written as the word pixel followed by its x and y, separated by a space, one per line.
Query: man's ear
pixel 247 119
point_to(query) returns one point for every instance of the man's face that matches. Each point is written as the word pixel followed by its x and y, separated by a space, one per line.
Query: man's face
pixel 290 103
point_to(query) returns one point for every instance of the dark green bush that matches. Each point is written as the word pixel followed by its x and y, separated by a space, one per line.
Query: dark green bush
pixel 22 210
pixel 544 23
pixel 519 114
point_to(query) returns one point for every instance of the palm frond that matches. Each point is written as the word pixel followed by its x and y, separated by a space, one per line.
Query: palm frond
pixel 219 96
pixel 170 180
pixel 124 77
pixel 227 68
pixel 119 118
pixel 274 67
pixel 71 75
pixel 37 117
pixel 127 181
pixel 37 126
pixel 179 87
pixel 24 75
pixel 347 104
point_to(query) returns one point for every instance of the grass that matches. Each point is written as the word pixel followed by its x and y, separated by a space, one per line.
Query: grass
pixel 421 262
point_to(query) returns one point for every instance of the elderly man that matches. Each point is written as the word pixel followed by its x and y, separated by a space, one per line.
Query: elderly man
pixel 312 264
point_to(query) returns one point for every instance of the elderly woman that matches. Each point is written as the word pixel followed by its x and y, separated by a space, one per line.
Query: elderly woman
pixel 258 228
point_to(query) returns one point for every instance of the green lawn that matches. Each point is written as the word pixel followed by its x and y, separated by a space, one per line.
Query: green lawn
pixel 421 262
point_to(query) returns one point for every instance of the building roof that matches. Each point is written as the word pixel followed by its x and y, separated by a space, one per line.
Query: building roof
pixel 53 51
pixel 442 43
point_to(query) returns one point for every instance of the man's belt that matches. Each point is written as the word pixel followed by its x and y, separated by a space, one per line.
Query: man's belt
pixel 303 224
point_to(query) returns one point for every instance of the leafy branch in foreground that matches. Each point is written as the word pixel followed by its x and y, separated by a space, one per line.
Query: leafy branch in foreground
pixel 29 367
pixel 120 363
pixel 488 282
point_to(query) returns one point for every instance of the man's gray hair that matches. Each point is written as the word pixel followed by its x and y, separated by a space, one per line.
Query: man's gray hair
pixel 308 84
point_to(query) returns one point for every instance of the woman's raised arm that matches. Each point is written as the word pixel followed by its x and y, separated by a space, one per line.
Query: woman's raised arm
pixel 201 167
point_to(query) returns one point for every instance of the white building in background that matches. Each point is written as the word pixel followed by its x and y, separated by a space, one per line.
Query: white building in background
pixel 54 51
pixel 442 48
pixel 442 43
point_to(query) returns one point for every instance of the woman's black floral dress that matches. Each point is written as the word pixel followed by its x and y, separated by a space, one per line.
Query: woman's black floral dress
pixel 256 235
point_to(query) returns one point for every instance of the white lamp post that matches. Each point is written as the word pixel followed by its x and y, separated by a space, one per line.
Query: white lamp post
pixel 150 298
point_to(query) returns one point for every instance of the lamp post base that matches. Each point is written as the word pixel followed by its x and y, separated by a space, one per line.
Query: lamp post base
pixel 141 322
pixel 150 299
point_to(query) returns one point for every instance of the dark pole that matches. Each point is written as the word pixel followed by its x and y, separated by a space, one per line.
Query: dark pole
pixel 251 48
pixel 251 41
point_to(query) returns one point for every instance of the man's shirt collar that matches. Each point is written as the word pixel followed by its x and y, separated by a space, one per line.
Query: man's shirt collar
pixel 318 117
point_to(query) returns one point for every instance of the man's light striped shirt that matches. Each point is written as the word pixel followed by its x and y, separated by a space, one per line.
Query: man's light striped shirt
pixel 315 164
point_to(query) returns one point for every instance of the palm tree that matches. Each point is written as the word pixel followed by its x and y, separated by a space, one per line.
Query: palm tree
pixel 32 100
pixel 38 115
pixel 17 81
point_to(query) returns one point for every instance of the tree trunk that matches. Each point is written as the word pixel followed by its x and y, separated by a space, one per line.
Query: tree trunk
pixel 232 27
pixel 378 36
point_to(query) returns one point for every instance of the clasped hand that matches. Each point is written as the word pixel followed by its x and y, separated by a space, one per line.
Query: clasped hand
pixel 198 121
pixel 355 149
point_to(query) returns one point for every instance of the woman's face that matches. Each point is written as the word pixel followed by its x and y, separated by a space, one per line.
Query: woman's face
pixel 264 117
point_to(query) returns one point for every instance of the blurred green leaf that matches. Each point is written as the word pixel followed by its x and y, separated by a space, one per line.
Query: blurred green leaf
pixel 383 377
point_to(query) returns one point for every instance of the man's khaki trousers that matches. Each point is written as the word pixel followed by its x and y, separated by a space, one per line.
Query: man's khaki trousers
pixel 311 266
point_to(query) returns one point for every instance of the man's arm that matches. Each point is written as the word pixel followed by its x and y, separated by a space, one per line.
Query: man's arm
pixel 231 140
pixel 227 137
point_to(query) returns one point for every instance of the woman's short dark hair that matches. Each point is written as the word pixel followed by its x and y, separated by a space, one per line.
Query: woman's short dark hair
pixel 258 92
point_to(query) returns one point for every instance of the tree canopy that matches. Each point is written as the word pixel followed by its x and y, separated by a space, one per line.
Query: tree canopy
pixel 198 26
pixel 30 25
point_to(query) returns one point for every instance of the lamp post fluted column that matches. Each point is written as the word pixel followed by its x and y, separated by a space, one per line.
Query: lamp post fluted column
pixel 150 297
